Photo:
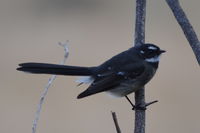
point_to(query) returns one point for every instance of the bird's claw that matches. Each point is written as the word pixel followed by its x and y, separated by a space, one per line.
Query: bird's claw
pixel 139 107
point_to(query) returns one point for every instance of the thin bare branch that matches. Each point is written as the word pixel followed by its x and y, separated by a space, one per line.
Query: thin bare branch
pixel 186 27
pixel 114 116
pixel 147 104
pixel 140 22
pixel 139 40
pixel 44 93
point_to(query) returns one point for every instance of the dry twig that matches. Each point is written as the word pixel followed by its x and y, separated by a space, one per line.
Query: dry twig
pixel 44 93
pixel 114 116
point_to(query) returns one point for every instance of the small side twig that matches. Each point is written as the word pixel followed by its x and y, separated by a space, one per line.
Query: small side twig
pixel 186 26
pixel 147 104
pixel 44 93
pixel 114 116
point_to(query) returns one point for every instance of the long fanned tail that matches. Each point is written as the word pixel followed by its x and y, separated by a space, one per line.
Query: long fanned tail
pixel 43 68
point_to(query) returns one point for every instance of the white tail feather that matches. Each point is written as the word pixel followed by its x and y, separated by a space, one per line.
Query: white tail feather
pixel 85 80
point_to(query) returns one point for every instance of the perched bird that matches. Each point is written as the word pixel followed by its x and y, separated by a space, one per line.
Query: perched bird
pixel 121 75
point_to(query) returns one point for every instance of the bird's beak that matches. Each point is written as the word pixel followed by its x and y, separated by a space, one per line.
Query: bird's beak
pixel 162 51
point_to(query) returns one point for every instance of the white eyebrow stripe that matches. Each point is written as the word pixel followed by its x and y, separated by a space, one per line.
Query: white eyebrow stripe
pixel 153 48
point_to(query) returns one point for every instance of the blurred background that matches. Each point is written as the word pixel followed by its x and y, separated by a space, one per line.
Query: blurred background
pixel 97 29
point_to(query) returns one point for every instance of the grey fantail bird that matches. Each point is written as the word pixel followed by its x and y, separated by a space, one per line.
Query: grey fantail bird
pixel 121 75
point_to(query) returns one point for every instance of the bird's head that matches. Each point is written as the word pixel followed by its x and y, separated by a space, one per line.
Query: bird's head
pixel 150 52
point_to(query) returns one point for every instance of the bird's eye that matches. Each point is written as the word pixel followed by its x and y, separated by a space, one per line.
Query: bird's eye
pixel 151 51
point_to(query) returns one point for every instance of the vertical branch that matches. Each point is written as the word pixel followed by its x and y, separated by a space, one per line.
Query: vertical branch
pixel 140 22
pixel 186 27
pixel 139 40
pixel 140 114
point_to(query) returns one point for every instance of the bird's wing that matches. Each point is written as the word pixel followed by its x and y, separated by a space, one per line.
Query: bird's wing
pixel 111 79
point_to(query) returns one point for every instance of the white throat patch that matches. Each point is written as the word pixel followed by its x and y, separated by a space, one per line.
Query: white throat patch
pixel 153 59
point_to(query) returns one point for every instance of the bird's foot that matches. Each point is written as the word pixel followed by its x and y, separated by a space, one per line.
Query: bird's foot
pixel 143 107
pixel 139 107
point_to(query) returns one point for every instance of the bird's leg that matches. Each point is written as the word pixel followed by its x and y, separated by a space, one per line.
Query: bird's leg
pixel 135 107
pixel 130 102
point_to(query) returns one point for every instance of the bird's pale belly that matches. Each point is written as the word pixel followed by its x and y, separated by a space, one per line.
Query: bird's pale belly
pixel 131 85
pixel 124 89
